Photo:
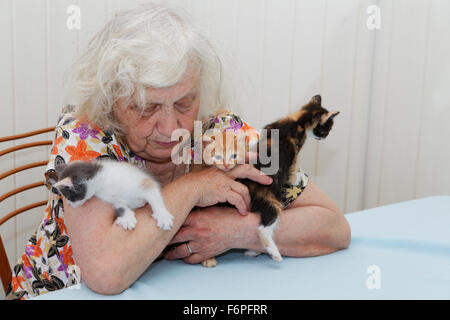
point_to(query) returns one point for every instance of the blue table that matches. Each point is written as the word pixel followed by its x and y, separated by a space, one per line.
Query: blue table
pixel 407 244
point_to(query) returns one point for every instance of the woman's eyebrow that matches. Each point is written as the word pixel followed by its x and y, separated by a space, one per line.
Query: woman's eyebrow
pixel 191 93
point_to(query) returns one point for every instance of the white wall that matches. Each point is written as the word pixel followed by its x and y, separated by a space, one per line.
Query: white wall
pixel 390 143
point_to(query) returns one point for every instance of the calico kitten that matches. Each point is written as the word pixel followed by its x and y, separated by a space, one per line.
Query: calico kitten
pixel 312 120
pixel 123 185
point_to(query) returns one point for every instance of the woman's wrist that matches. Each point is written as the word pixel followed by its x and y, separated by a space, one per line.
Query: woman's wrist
pixel 247 237
pixel 185 187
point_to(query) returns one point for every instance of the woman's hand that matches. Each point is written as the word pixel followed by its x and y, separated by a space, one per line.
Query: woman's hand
pixel 210 232
pixel 216 186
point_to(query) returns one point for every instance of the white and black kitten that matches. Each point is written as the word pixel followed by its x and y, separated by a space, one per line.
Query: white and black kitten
pixel 123 185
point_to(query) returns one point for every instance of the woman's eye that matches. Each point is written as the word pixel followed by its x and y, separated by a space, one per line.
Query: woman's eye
pixel 149 109
pixel 185 104
pixel 182 108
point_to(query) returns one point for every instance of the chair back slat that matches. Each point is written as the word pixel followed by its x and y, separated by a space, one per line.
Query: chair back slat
pixel 5 268
pixel 20 210
pixel 18 190
pixel 22 168
pixel 25 146
pixel 27 134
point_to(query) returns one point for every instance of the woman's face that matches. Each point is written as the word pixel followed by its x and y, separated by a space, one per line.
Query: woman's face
pixel 148 133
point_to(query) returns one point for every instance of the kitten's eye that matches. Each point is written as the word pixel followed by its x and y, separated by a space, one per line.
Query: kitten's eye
pixel 233 156
pixel 218 157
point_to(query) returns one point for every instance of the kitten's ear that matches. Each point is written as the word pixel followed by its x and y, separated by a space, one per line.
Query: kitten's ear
pixel 251 157
pixel 207 138
pixel 242 138
pixel 329 116
pixel 317 99
pixel 210 135
pixel 64 184
pixel 60 166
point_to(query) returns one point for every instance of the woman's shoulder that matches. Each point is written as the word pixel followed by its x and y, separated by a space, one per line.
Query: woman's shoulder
pixel 77 139
pixel 70 122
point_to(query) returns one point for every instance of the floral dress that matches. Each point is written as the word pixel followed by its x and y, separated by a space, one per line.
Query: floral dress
pixel 47 263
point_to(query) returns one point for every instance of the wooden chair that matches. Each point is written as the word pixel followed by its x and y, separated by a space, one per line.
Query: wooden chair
pixel 5 268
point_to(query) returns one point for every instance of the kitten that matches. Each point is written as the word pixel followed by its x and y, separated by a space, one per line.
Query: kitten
pixel 123 185
pixel 312 120
pixel 225 153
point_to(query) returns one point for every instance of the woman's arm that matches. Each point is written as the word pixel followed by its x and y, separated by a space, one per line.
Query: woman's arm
pixel 311 226
pixel 111 258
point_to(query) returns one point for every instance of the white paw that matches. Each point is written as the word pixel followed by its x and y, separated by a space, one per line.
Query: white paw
pixel 277 257
pixel 127 221
pixel 251 253
pixel 163 220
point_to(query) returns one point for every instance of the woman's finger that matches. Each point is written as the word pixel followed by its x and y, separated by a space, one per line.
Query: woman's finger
pixel 243 191
pixel 194 258
pixel 247 171
pixel 181 251
pixel 237 200
pixel 186 233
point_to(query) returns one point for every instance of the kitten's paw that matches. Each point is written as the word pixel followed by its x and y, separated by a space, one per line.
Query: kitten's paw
pixel 164 220
pixel 127 221
pixel 209 263
pixel 277 257
pixel 251 253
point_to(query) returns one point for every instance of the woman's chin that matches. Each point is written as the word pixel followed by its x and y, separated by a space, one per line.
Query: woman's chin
pixel 158 154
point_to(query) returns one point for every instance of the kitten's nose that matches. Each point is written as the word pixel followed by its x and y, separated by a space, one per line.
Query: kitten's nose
pixel 226 166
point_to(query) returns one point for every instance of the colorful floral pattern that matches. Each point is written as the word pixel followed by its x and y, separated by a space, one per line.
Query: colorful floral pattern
pixel 230 121
pixel 47 263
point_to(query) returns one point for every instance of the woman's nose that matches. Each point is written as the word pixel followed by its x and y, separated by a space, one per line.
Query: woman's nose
pixel 167 122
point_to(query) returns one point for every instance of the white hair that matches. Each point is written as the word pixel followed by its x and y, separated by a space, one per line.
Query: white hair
pixel 151 45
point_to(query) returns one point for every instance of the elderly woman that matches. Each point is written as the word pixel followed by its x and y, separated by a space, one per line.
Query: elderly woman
pixel 147 73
